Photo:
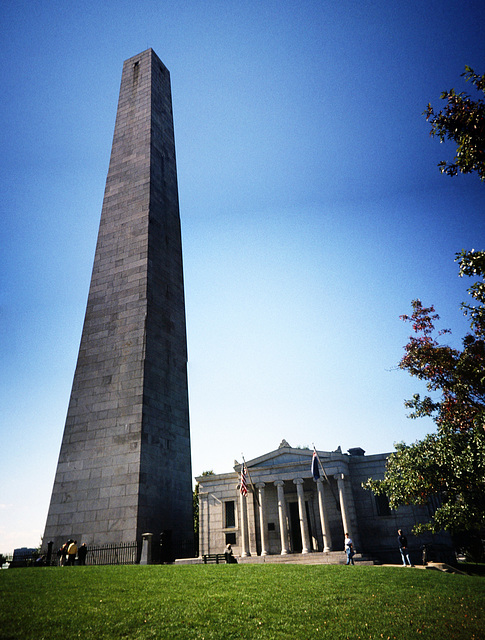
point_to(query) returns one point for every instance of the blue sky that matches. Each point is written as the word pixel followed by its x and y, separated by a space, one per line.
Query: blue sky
pixel 312 214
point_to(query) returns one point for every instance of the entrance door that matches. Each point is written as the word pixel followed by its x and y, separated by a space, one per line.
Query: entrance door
pixel 295 529
pixel 296 541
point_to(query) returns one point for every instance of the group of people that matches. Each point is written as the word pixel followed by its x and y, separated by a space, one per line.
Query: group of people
pixel 401 540
pixel 68 552
pixel 349 550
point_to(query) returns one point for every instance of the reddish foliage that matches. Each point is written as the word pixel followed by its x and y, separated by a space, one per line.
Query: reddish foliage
pixel 458 375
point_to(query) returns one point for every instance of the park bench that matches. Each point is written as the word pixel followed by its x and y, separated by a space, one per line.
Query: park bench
pixel 214 558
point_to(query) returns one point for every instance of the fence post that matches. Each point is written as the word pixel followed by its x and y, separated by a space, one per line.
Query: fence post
pixel 48 561
pixel 146 549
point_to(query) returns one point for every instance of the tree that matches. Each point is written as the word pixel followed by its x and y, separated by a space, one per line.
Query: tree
pixel 463 121
pixel 448 465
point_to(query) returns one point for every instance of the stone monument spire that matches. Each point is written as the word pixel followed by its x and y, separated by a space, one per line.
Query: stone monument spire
pixel 124 466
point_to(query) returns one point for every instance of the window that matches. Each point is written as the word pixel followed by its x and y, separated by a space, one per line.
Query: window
pixel 382 505
pixel 271 526
pixel 230 514
pixel 230 538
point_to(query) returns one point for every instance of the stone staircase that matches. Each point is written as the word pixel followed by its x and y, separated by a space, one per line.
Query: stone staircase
pixel 317 557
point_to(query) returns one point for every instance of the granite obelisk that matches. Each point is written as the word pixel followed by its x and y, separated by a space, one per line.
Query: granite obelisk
pixel 124 467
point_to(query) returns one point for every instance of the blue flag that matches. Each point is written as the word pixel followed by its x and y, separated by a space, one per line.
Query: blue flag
pixel 315 470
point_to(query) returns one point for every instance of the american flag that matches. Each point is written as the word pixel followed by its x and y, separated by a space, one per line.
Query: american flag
pixel 244 484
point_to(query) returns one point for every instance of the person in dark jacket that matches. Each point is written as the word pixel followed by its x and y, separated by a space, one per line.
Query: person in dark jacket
pixel 230 559
pixel 403 548
pixel 81 554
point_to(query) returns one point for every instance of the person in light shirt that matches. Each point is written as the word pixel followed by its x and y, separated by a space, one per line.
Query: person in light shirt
pixel 349 549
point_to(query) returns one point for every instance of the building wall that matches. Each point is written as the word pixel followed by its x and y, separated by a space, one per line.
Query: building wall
pixel 378 529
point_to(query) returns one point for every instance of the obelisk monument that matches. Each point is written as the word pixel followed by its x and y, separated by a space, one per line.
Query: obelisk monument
pixel 124 467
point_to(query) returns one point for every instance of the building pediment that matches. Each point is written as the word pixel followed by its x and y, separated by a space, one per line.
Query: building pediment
pixel 280 457
pixel 286 455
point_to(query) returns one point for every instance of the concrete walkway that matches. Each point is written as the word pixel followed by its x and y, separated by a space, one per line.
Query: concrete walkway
pixel 436 566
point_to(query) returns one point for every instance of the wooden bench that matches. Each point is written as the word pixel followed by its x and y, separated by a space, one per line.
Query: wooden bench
pixel 214 558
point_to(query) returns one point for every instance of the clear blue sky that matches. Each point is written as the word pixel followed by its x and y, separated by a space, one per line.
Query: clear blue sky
pixel 312 214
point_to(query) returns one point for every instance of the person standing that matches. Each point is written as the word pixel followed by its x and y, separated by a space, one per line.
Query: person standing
pixel 62 553
pixel 349 549
pixel 403 548
pixel 71 553
pixel 81 554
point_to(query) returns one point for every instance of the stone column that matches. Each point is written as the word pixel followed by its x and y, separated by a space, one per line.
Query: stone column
pixel 146 549
pixel 262 519
pixel 343 503
pixel 327 540
pixel 244 527
pixel 48 561
pixel 305 536
pixel 282 517
pixel 204 524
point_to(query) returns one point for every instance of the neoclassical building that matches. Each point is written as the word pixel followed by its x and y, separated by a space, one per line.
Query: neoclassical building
pixel 287 511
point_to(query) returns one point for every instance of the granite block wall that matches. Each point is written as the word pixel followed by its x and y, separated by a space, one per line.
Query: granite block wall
pixel 124 467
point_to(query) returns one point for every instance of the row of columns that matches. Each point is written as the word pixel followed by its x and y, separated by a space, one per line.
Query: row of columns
pixel 283 517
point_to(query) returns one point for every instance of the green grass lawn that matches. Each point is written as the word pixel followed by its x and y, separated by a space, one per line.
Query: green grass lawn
pixel 292 602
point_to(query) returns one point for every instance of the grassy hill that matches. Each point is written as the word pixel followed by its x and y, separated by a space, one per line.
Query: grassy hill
pixel 235 601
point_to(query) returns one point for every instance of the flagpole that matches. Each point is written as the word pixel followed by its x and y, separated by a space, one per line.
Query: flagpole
pixel 326 477
pixel 251 481
pixel 320 463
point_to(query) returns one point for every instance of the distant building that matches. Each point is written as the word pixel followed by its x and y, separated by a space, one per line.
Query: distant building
pixel 23 557
pixel 287 511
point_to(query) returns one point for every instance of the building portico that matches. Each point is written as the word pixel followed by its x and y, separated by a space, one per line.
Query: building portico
pixel 287 510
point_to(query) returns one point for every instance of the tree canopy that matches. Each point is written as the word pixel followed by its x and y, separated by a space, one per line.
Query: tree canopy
pixel 447 467
pixel 463 121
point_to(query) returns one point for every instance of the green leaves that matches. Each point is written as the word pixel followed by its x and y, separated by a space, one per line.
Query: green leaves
pixel 463 121
pixel 472 264
pixel 449 466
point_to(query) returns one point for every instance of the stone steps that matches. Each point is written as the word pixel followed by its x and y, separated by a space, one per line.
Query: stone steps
pixel 317 557
pixel 330 557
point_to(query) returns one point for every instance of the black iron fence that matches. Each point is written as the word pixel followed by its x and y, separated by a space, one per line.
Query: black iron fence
pixel 163 551
pixel 115 553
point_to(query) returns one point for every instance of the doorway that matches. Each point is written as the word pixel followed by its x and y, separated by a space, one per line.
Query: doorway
pixel 295 529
